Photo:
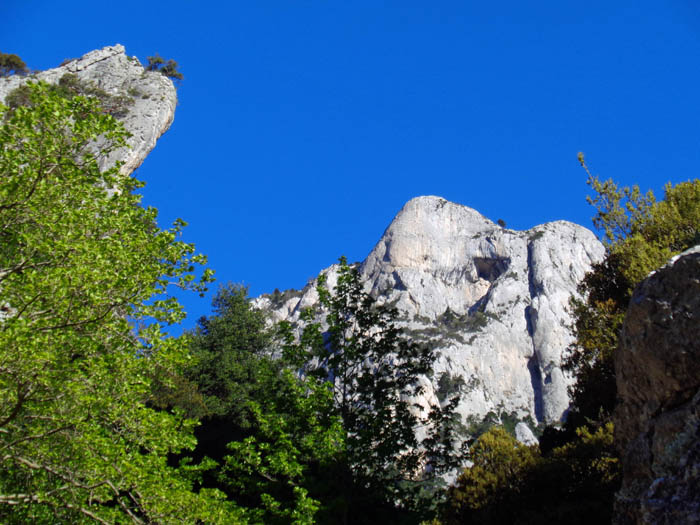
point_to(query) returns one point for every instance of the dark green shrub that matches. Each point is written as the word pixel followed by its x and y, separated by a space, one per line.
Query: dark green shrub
pixel 69 86
pixel 12 65
pixel 167 68
pixel 18 97
pixel 448 385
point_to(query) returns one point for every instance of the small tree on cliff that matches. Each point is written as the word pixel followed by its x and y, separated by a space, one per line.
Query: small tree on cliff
pixel 11 64
pixel 168 68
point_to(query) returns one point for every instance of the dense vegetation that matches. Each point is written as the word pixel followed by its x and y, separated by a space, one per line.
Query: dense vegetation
pixel 302 429
pixel 104 418
pixel 573 475
pixel 85 274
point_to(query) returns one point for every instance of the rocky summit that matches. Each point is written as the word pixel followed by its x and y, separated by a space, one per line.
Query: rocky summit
pixel 494 301
pixel 148 97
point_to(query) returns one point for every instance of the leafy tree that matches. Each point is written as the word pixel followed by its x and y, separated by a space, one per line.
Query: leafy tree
pixel 375 372
pixel 168 68
pixel 485 492
pixel 510 483
pixel 640 235
pixel 295 432
pixel 232 349
pixel 85 274
pixel 263 428
pixel 11 64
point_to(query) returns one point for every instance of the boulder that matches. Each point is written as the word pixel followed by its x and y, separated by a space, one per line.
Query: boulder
pixel 657 419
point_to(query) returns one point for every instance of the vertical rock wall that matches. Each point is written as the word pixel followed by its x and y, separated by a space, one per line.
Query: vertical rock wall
pixel 657 420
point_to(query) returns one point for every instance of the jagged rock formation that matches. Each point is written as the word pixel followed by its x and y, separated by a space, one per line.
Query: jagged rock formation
pixel 493 300
pixel 657 420
pixel 151 97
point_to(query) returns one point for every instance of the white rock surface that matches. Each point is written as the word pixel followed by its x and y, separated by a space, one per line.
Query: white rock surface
pixel 154 96
pixel 524 434
pixel 494 301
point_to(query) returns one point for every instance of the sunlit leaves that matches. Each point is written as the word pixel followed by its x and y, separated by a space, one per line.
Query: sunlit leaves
pixel 80 258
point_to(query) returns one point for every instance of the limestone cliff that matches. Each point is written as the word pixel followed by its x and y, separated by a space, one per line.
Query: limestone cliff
pixel 150 96
pixel 493 300
pixel 657 419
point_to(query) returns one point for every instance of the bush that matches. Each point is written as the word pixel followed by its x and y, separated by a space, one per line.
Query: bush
pixel 69 86
pixel 167 68
pixel 12 65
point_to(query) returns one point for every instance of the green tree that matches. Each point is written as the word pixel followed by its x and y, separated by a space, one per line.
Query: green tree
pixel 375 372
pixel 168 68
pixel 266 429
pixel 640 234
pixel 85 276
pixel 233 354
pixel 11 64
pixel 511 484
pixel 486 491
pixel 294 435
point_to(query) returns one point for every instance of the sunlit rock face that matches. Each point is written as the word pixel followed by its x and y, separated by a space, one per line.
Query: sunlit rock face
pixel 150 98
pixel 493 300
pixel 657 418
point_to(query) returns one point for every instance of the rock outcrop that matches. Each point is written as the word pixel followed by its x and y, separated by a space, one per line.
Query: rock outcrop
pixel 657 420
pixel 493 300
pixel 150 97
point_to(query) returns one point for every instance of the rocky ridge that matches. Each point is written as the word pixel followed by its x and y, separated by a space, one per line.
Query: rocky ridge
pixel 151 97
pixel 493 300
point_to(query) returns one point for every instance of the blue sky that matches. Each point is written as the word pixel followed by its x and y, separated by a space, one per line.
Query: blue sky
pixel 303 127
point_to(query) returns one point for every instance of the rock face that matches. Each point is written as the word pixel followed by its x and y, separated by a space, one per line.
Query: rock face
pixel 493 300
pixel 657 420
pixel 151 96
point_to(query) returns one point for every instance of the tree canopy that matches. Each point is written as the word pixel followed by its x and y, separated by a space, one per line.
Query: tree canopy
pixel 85 275
pixel 375 372
pixel 11 64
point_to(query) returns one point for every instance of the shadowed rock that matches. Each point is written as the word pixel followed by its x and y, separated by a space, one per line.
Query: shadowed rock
pixel 657 420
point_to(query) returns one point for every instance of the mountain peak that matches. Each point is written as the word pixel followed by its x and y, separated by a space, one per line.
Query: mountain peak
pixel 493 300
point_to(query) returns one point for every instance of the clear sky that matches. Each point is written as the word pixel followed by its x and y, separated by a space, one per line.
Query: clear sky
pixel 304 126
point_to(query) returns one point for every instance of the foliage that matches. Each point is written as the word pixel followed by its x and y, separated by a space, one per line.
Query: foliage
pixel 296 428
pixel 11 64
pixel 645 233
pixel 263 429
pixel 375 372
pixel 640 235
pixel 510 483
pixel 277 298
pixel 79 258
pixel 448 385
pixel 233 361
pixel 168 68
pixel 69 86
pixel 497 475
